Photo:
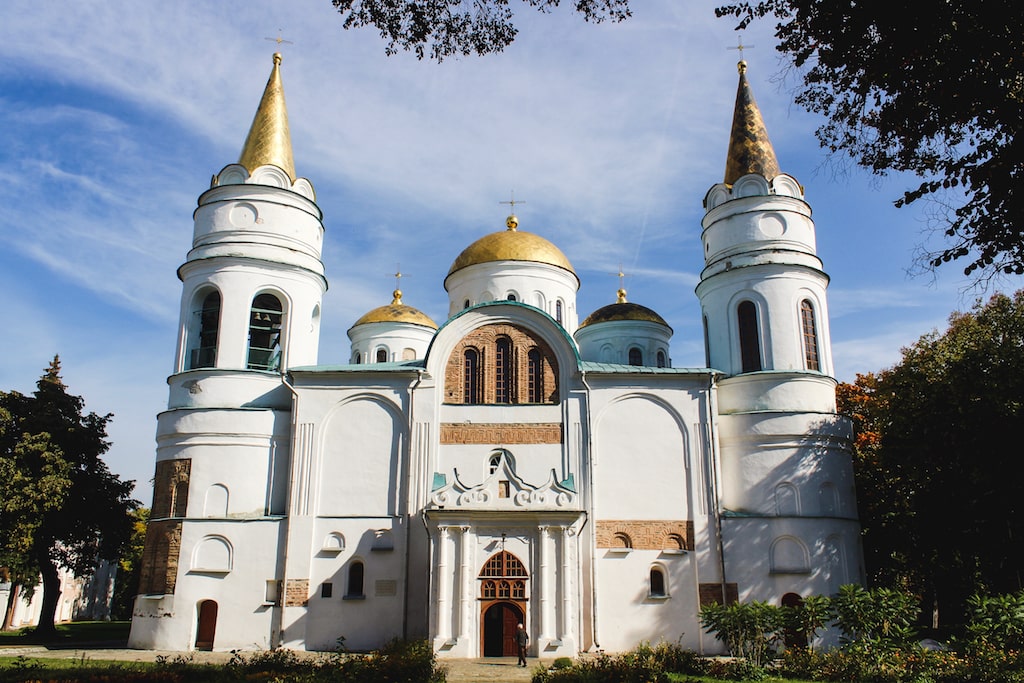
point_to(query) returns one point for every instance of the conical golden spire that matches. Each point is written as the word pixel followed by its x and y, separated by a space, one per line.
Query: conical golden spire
pixel 750 150
pixel 269 141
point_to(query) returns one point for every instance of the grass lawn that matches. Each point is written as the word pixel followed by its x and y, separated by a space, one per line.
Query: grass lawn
pixel 73 633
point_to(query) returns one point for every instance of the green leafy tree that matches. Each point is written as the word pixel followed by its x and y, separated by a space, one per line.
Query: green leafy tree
pixel 937 94
pixel 444 28
pixel 62 507
pixel 943 515
pixel 129 565
pixel 881 617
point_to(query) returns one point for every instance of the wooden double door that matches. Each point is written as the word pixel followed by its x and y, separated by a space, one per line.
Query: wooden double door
pixel 500 620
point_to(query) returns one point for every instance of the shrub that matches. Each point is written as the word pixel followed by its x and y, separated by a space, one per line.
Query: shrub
pixel 996 620
pixel 674 658
pixel 562 663
pixel 877 618
pixel 749 629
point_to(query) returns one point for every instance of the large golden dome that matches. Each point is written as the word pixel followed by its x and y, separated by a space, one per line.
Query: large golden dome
pixel 511 245
pixel 396 312
pixel 623 310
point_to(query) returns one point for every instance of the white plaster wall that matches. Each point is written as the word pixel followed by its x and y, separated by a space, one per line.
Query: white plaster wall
pixel 537 284
pixel 394 337
pixel 628 615
pixel 364 623
pixel 239 278
pixel 777 391
pixel 760 453
pixel 617 337
pixel 245 620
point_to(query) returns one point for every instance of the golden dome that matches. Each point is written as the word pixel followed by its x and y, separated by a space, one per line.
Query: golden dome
pixel 623 310
pixel 396 312
pixel 511 245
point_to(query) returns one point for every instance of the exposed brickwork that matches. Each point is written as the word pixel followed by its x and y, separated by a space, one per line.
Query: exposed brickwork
pixel 712 592
pixel 296 592
pixel 160 557
pixel 511 433
pixel 484 341
pixel 170 488
pixel 642 534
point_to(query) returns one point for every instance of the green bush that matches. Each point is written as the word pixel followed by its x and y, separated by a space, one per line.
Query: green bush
pixel 562 663
pixel 636 666
pixel 750 630
pixel 996 620
pixel 676 659
pixel 880 618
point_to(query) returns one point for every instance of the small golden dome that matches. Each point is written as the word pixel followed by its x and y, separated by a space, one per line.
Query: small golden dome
pixel 396 312
pixel 511 245
pixel 623 310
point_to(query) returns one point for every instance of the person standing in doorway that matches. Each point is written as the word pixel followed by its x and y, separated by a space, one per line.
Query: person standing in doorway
pixel 522 640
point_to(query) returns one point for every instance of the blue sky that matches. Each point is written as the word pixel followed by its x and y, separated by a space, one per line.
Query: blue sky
pixel 115 114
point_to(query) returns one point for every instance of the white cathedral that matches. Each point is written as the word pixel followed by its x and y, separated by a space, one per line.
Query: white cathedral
pixel 511 464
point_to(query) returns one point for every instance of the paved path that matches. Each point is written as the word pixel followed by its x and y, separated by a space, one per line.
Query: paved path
pixel 459 670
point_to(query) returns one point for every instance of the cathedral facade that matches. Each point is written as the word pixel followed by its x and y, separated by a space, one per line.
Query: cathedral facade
pixel 514 464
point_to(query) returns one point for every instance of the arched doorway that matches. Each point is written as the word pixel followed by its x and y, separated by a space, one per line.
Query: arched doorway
pixel 503 604
pixel 499 637
pixel 792 637
pixel 207 627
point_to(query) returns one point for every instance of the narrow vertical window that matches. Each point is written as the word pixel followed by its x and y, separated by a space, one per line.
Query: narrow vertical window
pixel 707 343
pixel 810 331
pixel 661 359
pixel 265 333
pixel 382 355
pixel 657 583
pixel 503 371
pixel 636 356
pixel 750 344
pixel 205 354
pixel 355 581
pixel 558 311
pixel 471 376
pixel 512 297
pixel 535 376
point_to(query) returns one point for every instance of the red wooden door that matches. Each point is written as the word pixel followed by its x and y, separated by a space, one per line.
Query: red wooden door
pixel 207 625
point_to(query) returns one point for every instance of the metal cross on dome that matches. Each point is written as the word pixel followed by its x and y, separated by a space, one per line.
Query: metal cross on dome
pixel 740 46
pixel 279 39
pixel 512 202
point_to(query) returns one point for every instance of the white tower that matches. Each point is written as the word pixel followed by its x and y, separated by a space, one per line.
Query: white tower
pixel 787 481
pixel 252 286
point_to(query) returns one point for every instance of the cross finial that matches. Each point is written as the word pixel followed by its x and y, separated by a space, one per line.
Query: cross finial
pixel 512 202
pixel 279 39
pixel 621 299
pixel 398 275
pixel 740 46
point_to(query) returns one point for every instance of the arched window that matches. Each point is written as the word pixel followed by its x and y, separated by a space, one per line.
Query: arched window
pixel 661 359
pixel 707 343
pixel 265 333
pixel 535 376
pixel 636 356
pixel 465 304
pixel 354 588
pixel 503 576
pixel 471 376
pixel 558 311
pixel 511 297
pixel 382 355
pixel 503 371
pixel 622 540
pixel 180 499
pixel 657 585
pixel 205 354
pixel 810 331
pixel 750 344
pixel 357 358
pixel 493 462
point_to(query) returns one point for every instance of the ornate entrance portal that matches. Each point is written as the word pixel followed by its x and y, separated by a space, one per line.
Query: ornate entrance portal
pixel 503 604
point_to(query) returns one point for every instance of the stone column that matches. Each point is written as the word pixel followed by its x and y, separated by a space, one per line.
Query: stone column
pixel 444 617
pixel 565 629
pixel 543 585
pixel 465 581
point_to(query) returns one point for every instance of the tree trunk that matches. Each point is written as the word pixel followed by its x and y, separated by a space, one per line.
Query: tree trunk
pixel 51 596
pixel 12 602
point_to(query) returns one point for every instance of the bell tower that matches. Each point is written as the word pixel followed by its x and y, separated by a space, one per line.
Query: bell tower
pixel 785 452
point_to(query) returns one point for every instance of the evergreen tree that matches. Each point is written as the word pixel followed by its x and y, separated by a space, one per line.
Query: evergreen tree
pixel 61 505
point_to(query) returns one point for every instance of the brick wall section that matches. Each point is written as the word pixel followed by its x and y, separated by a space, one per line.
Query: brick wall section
pixel 484 341
pixel 170 488
pixel 645 534
pixel 160 557
pixel 296 592
pixel 712 592
pixel 511 433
